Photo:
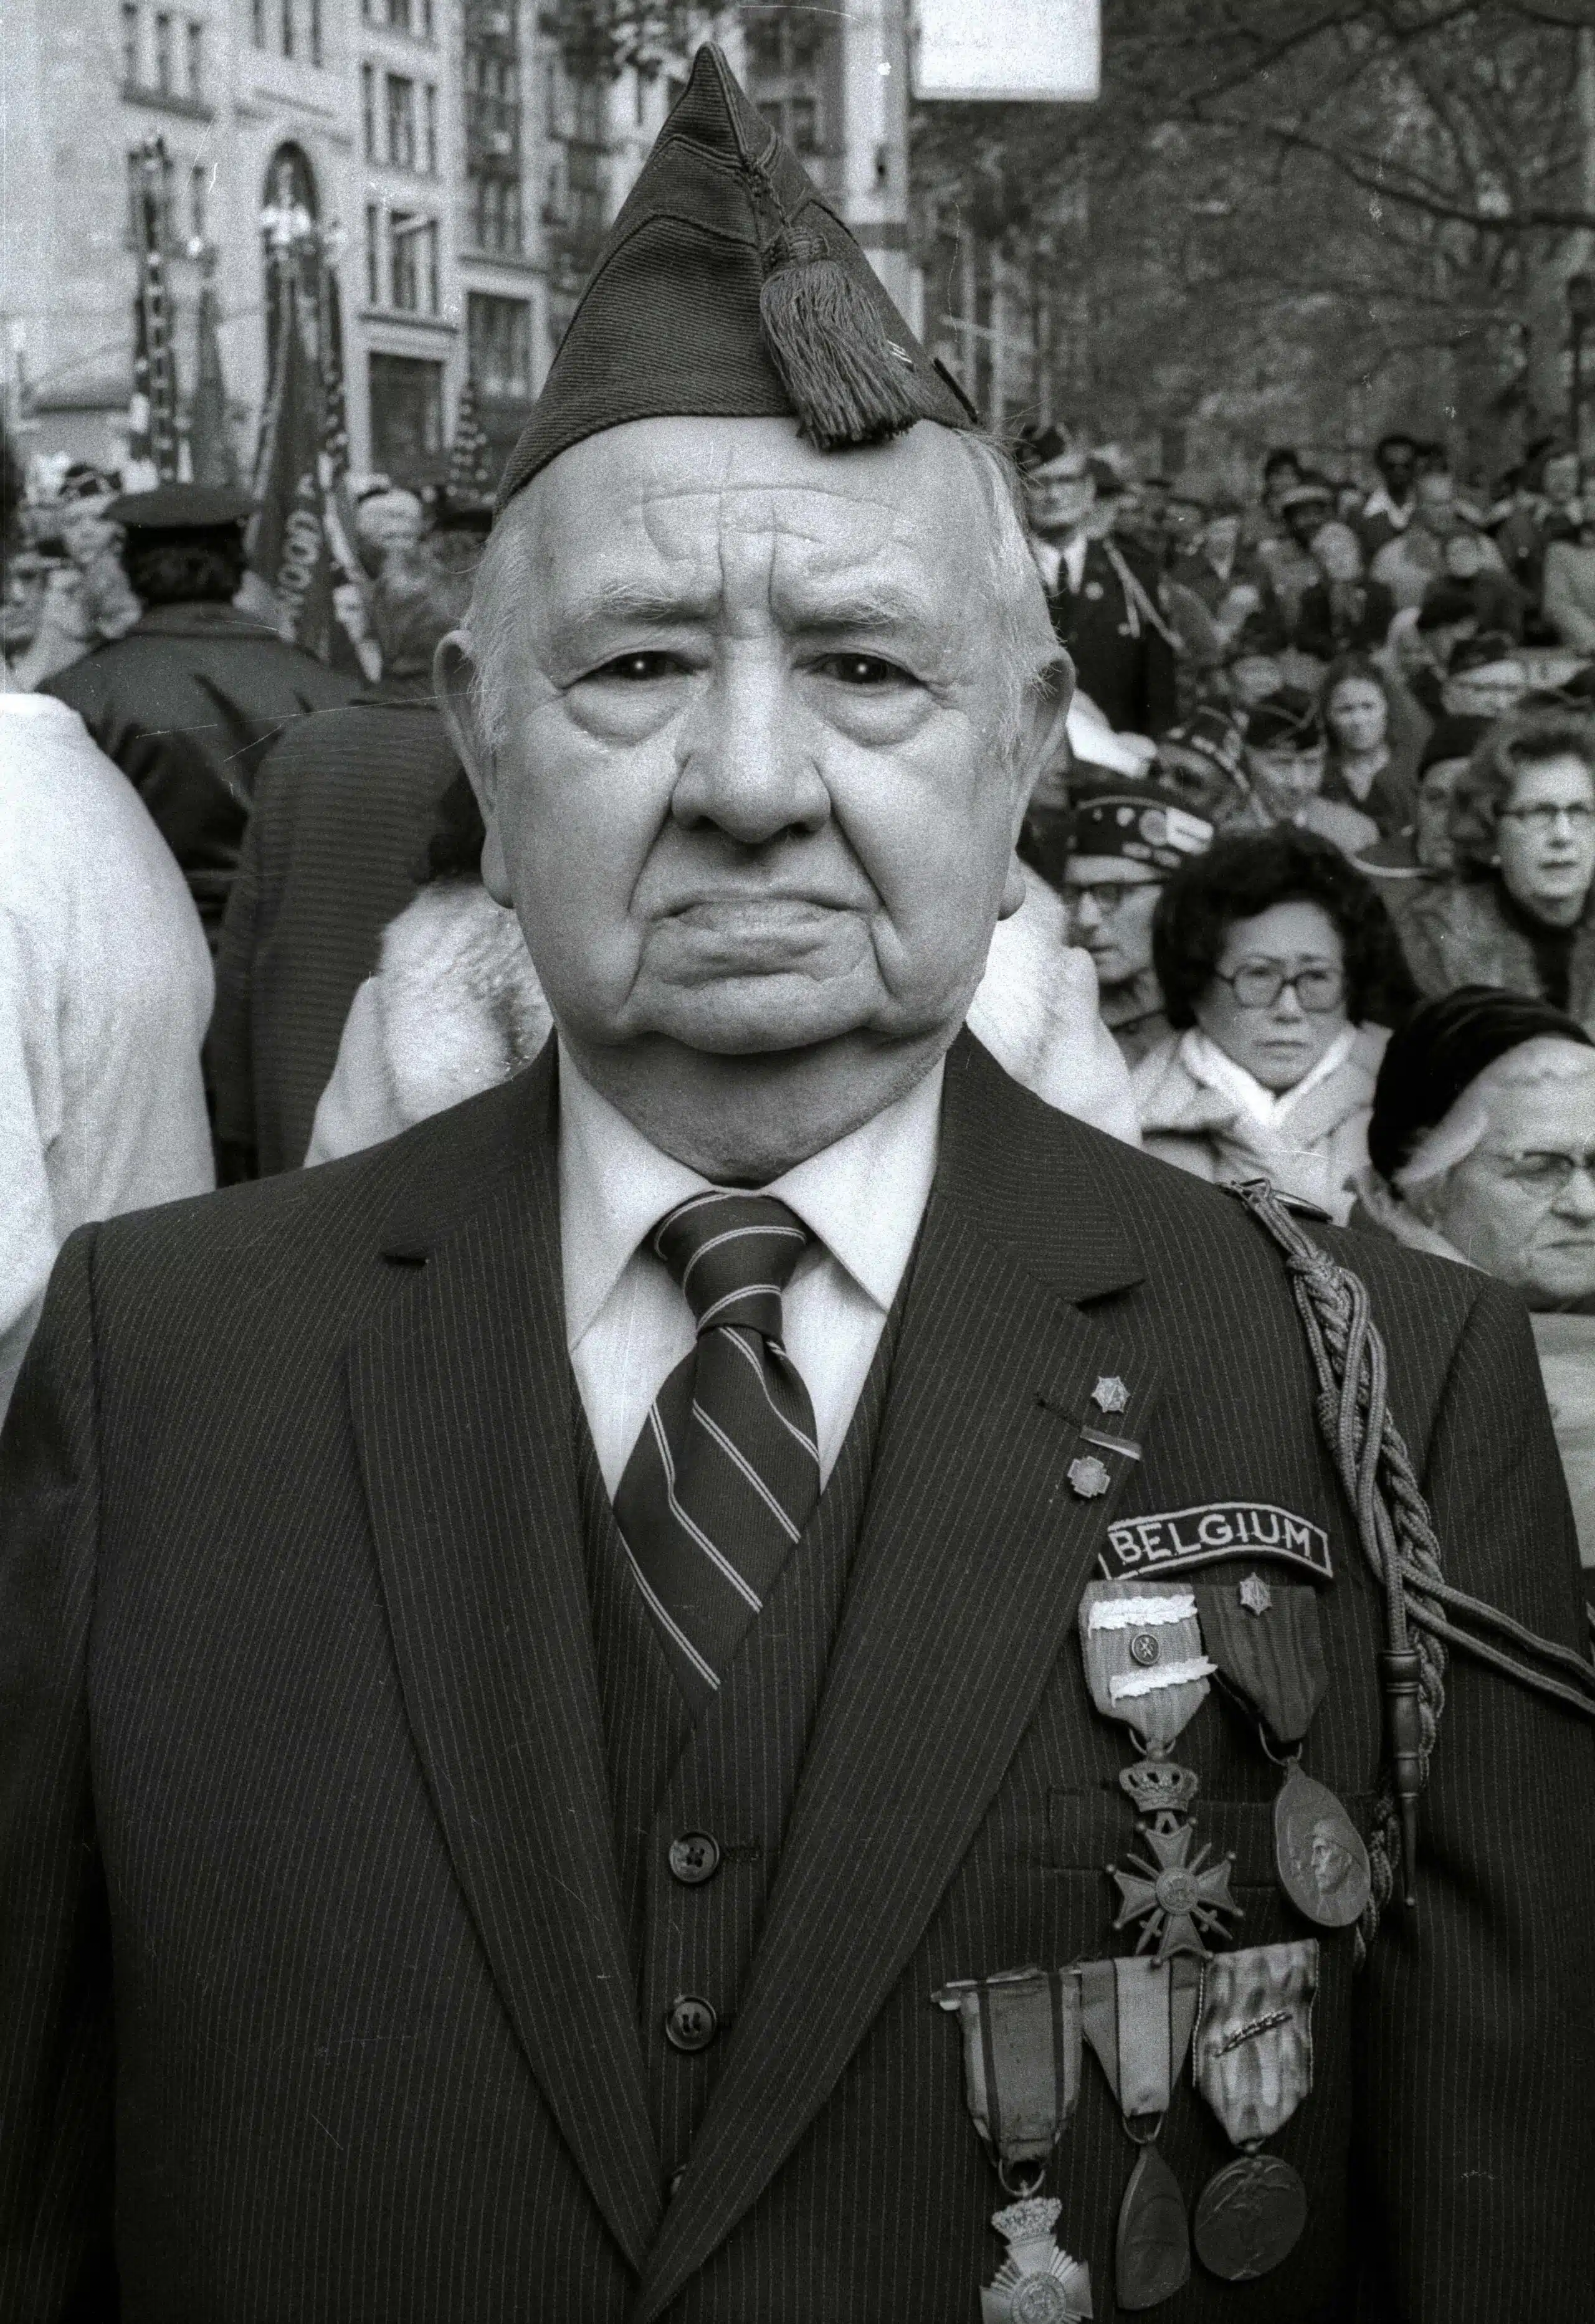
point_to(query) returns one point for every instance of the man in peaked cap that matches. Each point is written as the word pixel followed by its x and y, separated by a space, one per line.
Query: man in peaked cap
pixel 188 700
pixel 1125 838
pixel 530 1656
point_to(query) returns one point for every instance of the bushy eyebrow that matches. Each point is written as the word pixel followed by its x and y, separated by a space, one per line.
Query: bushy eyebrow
pixel 875 608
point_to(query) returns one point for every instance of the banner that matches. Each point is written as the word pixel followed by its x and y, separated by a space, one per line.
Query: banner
pixel 210 445
pixel 288 545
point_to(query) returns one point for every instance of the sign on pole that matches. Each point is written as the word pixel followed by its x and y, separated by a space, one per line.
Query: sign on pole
pixel 1006 51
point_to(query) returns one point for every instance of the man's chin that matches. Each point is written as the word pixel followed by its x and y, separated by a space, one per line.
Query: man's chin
pixel 756 1016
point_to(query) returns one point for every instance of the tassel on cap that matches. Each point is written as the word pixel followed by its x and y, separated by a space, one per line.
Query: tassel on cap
pixel 849 385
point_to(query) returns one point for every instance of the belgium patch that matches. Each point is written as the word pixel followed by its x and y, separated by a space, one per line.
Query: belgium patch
pixel 1211 1531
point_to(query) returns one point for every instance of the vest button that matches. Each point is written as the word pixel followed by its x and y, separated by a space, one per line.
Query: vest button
pixel 690 2023
pixel 694 1858
pixel 673 2182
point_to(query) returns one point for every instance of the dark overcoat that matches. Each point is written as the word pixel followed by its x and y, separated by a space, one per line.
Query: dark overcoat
pixel 188 703
pixel 319 2002
pixel 342 814
pixel 1121 658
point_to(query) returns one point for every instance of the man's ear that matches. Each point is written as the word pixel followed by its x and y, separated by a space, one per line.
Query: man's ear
pixel 454 683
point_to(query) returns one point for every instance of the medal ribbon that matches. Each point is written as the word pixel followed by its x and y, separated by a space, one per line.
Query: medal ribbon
pixel 1021 2062
pixel 1138 2014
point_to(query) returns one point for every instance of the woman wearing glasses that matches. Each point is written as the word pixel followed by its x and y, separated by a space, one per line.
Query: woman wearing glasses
pixel 1518 913
pixel 1280 972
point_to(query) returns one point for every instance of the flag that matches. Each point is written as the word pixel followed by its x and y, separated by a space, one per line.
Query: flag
pixel 151 412
pixel 470 455
pixel 338 509
pixel 288 545
pixel 211 446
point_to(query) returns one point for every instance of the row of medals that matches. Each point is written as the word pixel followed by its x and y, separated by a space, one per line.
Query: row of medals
pixel 1243 2017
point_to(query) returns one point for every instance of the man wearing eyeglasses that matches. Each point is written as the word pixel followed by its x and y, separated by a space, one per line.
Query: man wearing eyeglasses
pixel 1124 838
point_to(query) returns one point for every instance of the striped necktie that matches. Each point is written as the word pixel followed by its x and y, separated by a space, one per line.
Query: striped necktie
pixel 724 1474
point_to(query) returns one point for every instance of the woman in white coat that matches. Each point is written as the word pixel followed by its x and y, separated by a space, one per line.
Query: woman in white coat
pixel 1281 974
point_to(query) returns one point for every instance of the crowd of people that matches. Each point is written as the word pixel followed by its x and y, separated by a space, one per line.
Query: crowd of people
pixel 1331 765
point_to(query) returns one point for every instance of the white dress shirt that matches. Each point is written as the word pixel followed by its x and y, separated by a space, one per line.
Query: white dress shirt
pixel 628 1325
pixel 1054 556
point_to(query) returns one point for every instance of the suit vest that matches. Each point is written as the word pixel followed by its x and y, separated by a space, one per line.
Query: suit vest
pixel 731 1780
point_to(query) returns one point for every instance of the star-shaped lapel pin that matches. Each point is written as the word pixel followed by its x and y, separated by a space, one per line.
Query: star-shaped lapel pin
pixel 1255 1594
pixel 1110 1394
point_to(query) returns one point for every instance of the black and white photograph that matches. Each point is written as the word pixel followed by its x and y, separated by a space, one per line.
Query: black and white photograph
pixel 798 1162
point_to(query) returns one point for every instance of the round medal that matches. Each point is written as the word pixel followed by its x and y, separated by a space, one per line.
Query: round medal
pixel 1321 1862
pixel 1249 2216
pixel 1153 2255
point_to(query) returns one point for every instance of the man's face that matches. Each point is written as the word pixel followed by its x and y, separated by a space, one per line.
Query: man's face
pixel 752 791
pixel 1060 495
pixel 1221 538
pixel 1561 479
pixel 1110 902
pixel 1522 1204
pixel 1285 777
pixel 1398 463
pixel 1437 504
pixel 1491 691
pixel 1465 555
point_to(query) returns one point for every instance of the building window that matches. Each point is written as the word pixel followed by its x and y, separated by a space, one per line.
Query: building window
pixel 199 202
pixel 129 44
pixel 412 260
pixel 406 417
pixel 164 53
pixel 426 20
pixel 196 61
pixel 315 31
pixel 368 112
pixel 374 255
pixel 400 122
pixel 288 28
pixel 399 15
pixel 431 130
pixel 495 216
pixel 498 332
pixel 257 23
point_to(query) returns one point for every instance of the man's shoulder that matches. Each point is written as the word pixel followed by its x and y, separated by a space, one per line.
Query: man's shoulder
pixel 308 1243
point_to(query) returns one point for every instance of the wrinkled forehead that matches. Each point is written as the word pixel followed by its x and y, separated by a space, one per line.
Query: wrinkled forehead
pixel 721 513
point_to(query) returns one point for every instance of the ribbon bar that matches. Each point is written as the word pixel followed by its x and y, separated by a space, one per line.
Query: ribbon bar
pixel 1152 1681
pixel 1142 1613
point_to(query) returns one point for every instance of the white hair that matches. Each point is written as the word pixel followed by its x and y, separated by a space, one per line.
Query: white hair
pixel 506 578
pixel 1547 1057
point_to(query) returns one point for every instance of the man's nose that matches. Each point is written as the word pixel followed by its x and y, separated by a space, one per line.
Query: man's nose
pixel 745 761
pixel 1576 1198
pixel 1088 912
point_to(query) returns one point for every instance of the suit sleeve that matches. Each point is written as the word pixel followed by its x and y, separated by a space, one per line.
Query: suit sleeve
pixel 55 2024
pixel 1478 2059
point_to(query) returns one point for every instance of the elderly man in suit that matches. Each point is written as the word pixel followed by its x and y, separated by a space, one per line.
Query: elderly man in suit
pixel 549 1671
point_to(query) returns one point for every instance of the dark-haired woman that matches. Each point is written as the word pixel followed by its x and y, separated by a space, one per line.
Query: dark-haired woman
pixel 1519 912
pixel 1280 974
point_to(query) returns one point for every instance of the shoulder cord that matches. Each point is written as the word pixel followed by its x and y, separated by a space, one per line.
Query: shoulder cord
pixel 1400 1544
pixel 1137 602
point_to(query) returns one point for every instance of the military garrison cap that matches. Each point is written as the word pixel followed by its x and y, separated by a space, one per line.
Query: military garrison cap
pixel 181 508
pixel 1141 821
pixel 728 289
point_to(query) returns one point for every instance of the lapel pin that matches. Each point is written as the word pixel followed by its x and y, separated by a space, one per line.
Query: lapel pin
pixel 1110 1394
pixel 1088 1478
pixel 1255 1594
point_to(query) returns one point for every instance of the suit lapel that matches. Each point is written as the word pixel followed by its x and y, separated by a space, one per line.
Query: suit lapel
pixel 974 1552
pixel 461 1405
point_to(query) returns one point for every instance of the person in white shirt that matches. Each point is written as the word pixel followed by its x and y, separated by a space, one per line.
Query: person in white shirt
pixel 105 995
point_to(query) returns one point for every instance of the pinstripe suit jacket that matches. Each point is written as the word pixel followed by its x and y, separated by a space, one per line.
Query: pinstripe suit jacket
pixel 318 2001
